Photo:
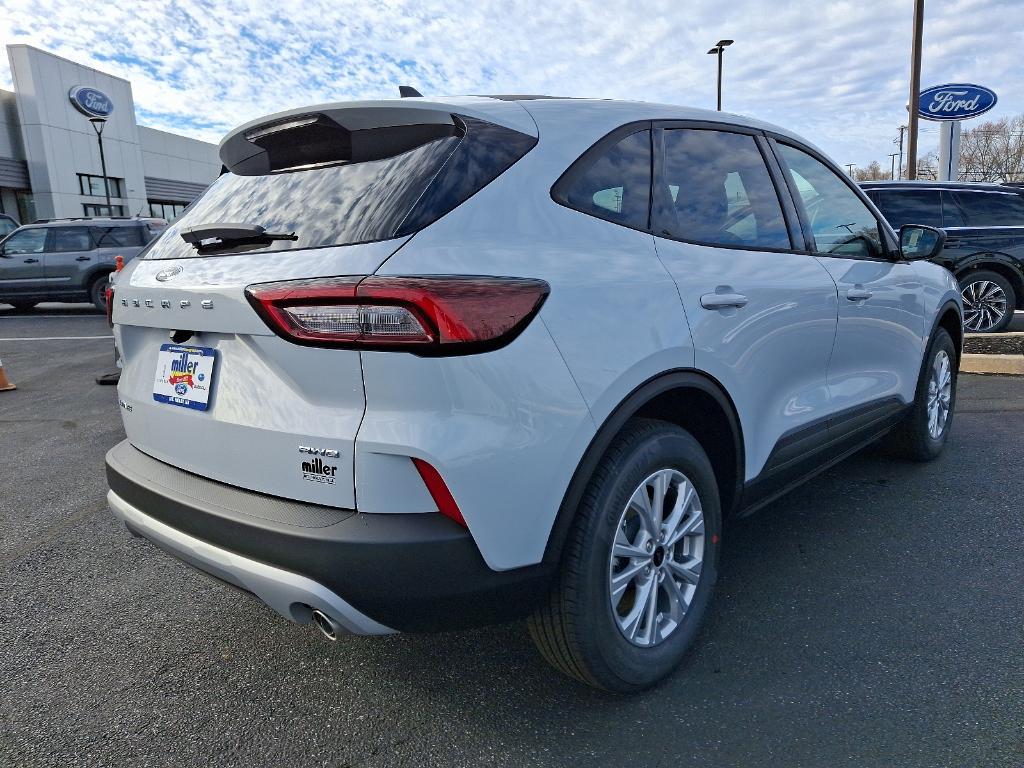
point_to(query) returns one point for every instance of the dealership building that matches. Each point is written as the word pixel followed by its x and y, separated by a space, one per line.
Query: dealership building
pixel 50 164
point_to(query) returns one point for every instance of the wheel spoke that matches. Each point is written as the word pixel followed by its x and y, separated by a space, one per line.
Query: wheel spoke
pixel 685 571
pixel 625 548
pixel 622 579
pixel 678 600
pixel 631 623
pixel 640 502
pixel 685 494
pixel 659 490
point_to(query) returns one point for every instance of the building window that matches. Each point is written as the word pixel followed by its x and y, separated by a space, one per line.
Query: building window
pixel 93 185
pixel 166 209
pixel 26 206
pixel 93 209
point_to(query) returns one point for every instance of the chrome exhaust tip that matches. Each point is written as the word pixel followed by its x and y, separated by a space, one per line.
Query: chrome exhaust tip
pixel 327 626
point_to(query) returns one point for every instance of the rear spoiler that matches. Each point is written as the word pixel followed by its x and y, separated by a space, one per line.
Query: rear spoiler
pixel 354 132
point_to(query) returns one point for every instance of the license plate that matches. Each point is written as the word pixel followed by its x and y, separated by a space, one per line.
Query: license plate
pixel 184 375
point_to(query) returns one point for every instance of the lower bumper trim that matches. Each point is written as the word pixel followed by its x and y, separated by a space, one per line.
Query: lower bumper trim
pixel 289 594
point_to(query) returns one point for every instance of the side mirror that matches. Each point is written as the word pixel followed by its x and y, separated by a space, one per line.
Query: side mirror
pixel 918 242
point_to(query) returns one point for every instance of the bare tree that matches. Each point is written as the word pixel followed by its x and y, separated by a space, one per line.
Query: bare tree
pixel 993 151
pixel 873 172
pixel 928 166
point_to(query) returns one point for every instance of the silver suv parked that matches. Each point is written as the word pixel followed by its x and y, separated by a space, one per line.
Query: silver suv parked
pixel 424 364
pixel 68 259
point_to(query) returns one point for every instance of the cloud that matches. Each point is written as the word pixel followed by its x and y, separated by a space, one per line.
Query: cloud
pixel 835 71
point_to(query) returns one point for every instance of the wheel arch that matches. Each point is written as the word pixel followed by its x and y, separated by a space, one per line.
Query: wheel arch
pixel 688 398
pixel 948 317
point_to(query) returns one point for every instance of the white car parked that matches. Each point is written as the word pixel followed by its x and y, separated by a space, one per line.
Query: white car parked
pixel 423 364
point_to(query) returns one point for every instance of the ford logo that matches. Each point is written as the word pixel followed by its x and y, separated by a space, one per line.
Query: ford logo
pixel 166 274
pixel 955 101
pixel 90 101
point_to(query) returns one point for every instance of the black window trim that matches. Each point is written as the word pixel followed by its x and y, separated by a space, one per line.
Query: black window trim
pixel 892 253
pixel 660 126
pixel 582 164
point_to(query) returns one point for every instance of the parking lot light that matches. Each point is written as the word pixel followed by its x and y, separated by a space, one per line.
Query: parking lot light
pixel 97 125
pixel 719 48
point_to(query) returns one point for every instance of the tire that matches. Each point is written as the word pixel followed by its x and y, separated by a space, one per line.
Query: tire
pixel 989 301
pixel 914 438
pixel 98 292
pixel 22 306
pixel 577 629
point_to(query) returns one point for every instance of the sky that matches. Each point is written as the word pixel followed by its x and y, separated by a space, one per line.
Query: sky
pixel 834 71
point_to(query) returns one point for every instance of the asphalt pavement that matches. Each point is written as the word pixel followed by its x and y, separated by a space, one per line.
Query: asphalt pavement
pixel 873 617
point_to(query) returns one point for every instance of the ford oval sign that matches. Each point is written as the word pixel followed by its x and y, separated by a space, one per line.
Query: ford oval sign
pixel 955 101
pixel 90 101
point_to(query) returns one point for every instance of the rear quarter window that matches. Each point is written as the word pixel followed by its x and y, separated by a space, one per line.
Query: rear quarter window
pixel 991 209
pixel 611 181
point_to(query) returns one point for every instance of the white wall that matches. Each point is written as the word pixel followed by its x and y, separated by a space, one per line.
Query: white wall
pixel 169 156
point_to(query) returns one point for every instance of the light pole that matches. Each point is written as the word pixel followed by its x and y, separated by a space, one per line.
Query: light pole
pixel 718 50
pixel 892 158
pixel 849 169
pixel 97 125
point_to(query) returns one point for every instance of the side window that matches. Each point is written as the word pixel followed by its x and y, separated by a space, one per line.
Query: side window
pixel 840 221
pixel 991 209
pixel 612 183
pixel 26 241
pixel 912 206
pixel 71 239
pixel 716 190
pixel 118 237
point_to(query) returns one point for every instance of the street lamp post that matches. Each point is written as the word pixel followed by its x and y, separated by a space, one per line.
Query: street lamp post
pixel 97 125
pixel 892 158
pixel 718 50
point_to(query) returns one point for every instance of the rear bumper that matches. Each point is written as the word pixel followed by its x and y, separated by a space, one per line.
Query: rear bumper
pixel 372 573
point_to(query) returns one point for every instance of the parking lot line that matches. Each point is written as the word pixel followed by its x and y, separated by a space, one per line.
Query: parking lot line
pixel 55 338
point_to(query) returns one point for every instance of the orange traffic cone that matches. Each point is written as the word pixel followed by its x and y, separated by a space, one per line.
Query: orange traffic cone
pixel 4 383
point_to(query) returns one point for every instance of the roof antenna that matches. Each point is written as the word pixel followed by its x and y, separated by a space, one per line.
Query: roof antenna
pixel 407 91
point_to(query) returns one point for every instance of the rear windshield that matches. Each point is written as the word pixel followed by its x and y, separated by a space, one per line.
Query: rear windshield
pixel 353 203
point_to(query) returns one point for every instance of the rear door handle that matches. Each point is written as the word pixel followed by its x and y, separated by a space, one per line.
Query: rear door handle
pixel 31 261
pixel 858 293
pixel 83 258
pixel 723 300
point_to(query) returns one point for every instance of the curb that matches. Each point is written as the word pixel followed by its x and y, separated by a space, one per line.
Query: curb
pixel 1012 365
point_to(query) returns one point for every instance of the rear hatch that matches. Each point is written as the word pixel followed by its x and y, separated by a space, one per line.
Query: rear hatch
pixel 206 385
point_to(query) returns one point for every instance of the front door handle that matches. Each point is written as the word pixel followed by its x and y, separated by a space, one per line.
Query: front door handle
pixel 858 293
pixel 723 300
pixel 31 261
pixel 83 258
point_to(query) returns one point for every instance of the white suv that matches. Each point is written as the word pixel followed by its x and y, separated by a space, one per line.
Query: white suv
pixel 422 364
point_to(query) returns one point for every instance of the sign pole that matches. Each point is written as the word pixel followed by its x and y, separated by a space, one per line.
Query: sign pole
pixel 915 87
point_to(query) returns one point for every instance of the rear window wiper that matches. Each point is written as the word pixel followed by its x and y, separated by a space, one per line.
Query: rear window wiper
pixel 223 236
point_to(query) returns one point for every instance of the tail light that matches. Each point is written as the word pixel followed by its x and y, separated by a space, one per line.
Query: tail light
pixel 109 292
pixel 435 315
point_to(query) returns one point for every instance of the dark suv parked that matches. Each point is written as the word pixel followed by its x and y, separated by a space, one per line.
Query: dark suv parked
pixel 984 248
pixel 68 259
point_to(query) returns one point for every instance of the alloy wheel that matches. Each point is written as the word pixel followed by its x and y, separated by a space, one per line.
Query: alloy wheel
pixel 984 305
pixel 940 390
pixel 656 558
